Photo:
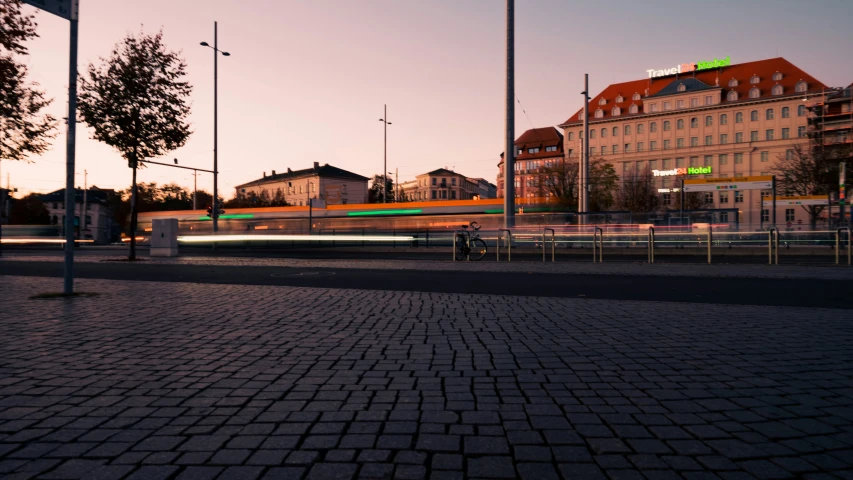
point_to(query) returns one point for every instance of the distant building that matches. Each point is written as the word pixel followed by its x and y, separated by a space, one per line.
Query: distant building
pixel 444 184
pixel 332 184
pixel 831 124
pixel 534 149
pixel 97 224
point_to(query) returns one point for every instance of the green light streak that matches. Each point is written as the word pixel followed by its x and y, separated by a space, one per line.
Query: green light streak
pixel 411 211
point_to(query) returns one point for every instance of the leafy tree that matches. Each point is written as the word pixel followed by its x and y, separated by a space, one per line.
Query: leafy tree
pixel 637 193
pixel 29 211
pixel 24 130
pixel 376 195
pixel 136 102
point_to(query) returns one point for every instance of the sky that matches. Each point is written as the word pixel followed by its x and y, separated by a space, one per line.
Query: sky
pixel 307 79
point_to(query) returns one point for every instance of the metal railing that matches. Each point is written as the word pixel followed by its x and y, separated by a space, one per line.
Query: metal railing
pixel 501 236
pixel 651 244
pixel 773 246
pixel 838 245
pixel 598 241
pixel 553 243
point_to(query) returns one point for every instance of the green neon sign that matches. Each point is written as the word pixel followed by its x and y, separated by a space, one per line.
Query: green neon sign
pixel 408 211
pixel 698 170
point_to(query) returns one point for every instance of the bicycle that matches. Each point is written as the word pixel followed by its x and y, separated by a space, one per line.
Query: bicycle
pixel 469 245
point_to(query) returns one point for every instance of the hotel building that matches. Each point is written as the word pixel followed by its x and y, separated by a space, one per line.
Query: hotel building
pixel 736 119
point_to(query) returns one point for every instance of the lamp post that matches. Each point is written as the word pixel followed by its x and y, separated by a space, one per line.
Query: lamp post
pixel 385 156
pixel 310 207
pixel 216 52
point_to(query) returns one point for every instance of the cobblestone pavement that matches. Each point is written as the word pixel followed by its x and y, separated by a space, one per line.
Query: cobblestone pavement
pixel 826 272
pixel 161 381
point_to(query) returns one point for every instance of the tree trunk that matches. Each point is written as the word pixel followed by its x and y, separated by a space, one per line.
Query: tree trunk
pixel 132 255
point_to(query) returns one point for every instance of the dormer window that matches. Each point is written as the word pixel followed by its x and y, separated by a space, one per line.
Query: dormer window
pixel 777 89
pixel 754 92
pixel 777 76
pixel 682 87
pixel 636 97
pixel 732 83
pixel 619 99
pixel 633 109
pixel 602 102
pixel 731 96
pixel 754 79
pixel 599 113
pixel 801 87
pixel 616 111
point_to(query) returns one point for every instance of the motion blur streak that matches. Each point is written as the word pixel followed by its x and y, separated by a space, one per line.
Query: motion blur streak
pixel 266 238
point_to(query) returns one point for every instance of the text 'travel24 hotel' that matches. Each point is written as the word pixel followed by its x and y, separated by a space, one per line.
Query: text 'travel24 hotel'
pixel 734 119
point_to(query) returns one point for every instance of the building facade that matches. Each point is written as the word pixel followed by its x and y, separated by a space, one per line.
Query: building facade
pixel 333 185
pixel 733 121
pixel 444 184
pixel 97 224
pixel 535 149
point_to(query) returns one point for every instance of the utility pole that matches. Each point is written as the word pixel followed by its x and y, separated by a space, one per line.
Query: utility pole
pixel 85 189
pixel 583 168
pixel 509 130
pixel 70 148
pixel 215 210
pixel 195 188
pixel 396 184
pixel 385 155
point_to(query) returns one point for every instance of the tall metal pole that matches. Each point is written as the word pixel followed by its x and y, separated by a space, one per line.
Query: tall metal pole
pixel 68 280
pixel 583 185
pixel 85 189
pixel 215 210
pixel 385 156
pixel 195 188
pixel 509 141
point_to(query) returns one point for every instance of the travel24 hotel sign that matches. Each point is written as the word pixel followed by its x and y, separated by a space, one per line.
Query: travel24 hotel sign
pixel 690 67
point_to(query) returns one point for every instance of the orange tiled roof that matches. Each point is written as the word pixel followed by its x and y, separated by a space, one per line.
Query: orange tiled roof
pixel 540 138
pixel 741 72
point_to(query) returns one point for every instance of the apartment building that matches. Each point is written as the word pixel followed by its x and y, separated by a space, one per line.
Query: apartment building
pixel 534 149
pixel 444 184
pixel 334 185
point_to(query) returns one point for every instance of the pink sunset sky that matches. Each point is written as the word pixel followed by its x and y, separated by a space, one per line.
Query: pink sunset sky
pixel 306 80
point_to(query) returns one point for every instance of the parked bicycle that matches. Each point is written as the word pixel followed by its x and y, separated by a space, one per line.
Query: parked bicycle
pixel 469 244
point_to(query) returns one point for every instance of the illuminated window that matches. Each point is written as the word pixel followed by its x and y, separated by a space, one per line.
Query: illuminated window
pixel 801 87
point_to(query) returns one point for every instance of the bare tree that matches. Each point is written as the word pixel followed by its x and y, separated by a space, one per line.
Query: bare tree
pixel 560 180
pixel 807 169
pixel 136 102
pixel 637 193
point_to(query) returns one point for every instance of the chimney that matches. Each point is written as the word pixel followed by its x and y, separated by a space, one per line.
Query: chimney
pixel 273 173
pixel 316 165
pixel 265 174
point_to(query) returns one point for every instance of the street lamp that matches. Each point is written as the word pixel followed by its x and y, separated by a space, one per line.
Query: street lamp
pixel 385 162
pixel 216 51
pixel 310 207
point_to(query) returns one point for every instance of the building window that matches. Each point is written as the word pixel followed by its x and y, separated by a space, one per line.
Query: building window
pixel 682 87
pixel 733 83
pixel 551 149
pixel 694 102
pixel 801 87
pixel 738 159
pixel 709 140
pixel 602 102
pixel 679 104
pixel 653 145
pixel 667 126
pixel 754 79
pixel 776 90
pixel 739 117
pixel 801 132
pixel 724 216
pixel 614 149
pixel 666 106
pixel 679 124
pixel 765 215
pixel 635 97
pixel 786 133
pixel 640 128
pixel 724 138
pixel 769 114
pixel 694 141
pixel 653 164
pixel 653 127
pixel 786 112
pixel 679 162
pixel 626 148
pixel 633 109
pixel 667 144
pixel 453 180
pixel 653 107
pixel 753 116
pixel 694 122
pixel 627 129
pixel 570 136
pixel 434 192
pixel 603 133
pixel 616 111
pixel 453 194
pixel 639 146
pixel 724 159
pixel 599 113
pixel 753 136
pixel 789 214
pixel 619 99
pixel 709 198
pixel 667 199
pixel 724 197
pixel 694 161
pixel 709 120
pixel 533 150
pixel 667 163
pixel 754 93
pixel 615 131
pixel 724 119
pixel 777 76
pixel 592 133
pixel 801 110
pixel 789 154
pixel 765 157
pixel 738 196
pixel 731 96
pixel 709 100
pixel 739 137
pixel 435 180
pixel 768 134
